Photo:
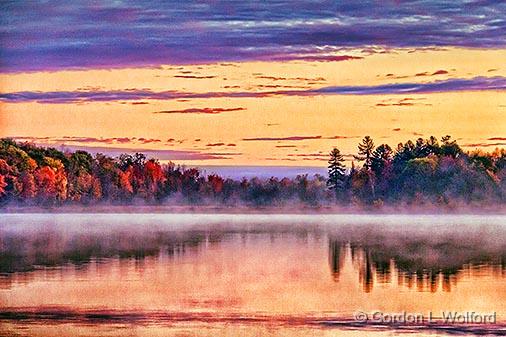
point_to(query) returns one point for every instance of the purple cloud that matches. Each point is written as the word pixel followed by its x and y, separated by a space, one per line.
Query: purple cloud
pixel 279 78
pixel 340 137
pixel 450 85
pixel 292 138
pixel 199 111
pixel 195 77
pixel 497 83
pixel 315 156
pixel 162 154
pixel 485 145
pixel 74 139
pixel 316 58
pixel 41 35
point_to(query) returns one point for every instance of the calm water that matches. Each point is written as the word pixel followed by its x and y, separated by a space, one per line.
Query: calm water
pixel 248 275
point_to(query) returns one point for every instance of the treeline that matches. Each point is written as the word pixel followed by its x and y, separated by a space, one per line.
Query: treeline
pixel 420 172
pixel 425 171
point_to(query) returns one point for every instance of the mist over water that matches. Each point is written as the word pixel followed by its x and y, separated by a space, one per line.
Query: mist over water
pixel 198 272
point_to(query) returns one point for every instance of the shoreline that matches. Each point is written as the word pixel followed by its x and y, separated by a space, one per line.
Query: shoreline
pixel 172 209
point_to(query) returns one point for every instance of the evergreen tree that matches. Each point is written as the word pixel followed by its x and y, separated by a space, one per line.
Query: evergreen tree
pixel 337 171
pixel 433 145
pixel 365 150
pixel 450 147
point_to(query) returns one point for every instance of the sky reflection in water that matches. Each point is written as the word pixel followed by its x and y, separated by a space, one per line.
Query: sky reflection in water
pixel 184 270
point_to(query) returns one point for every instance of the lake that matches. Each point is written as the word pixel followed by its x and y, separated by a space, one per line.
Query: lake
pixel 251 274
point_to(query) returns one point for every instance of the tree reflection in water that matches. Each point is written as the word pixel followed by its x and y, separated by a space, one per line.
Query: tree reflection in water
pixel 426 265
pixel 425 262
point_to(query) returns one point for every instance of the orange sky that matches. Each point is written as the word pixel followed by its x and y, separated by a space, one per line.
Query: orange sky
pixel 475 118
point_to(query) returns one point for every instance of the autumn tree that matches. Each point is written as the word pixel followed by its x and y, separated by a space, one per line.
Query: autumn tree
pixel 190 184
pixel 96 189
pixel 216 183
pixel 125 181
pixel 28 187
pixel 153 178
pixel 6 172
pixel 61 185
pixel 360 186
pixel 3 184
pixel 106 170
pixel 46 183
pixel 381 158
pixel 310 191
pixel 417 179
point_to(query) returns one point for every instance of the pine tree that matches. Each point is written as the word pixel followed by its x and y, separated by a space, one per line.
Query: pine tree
pixel 365 150
pixel 336 171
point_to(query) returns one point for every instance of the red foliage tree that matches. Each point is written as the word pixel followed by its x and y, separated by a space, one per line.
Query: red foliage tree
pixel 3 184
pixel 216 183
pixel 154 176
pixel 28 186
pixel 96 189
pixel 61 185
pixel 45 177
pixel 125 180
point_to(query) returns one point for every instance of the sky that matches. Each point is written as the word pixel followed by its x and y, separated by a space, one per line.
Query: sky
pixel 256 83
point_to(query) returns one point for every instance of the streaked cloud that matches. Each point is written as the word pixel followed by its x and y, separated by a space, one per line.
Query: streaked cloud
pixel 280 86
pixel 280 78
pixel 291 138
pixel 404 102
pixel 449 85
pixel 221 144
pixel 91 140
pixel 437 72
pixel 41 35
pixel 194 77
pixel 479 83
pixel 73 143
pixel 320 156
pixel 420 74
pixel 220 154
pixel 316 58
pixel 341 137
pixel 484 145
pixel 161 154
pixel 111 140
pixel 199 111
